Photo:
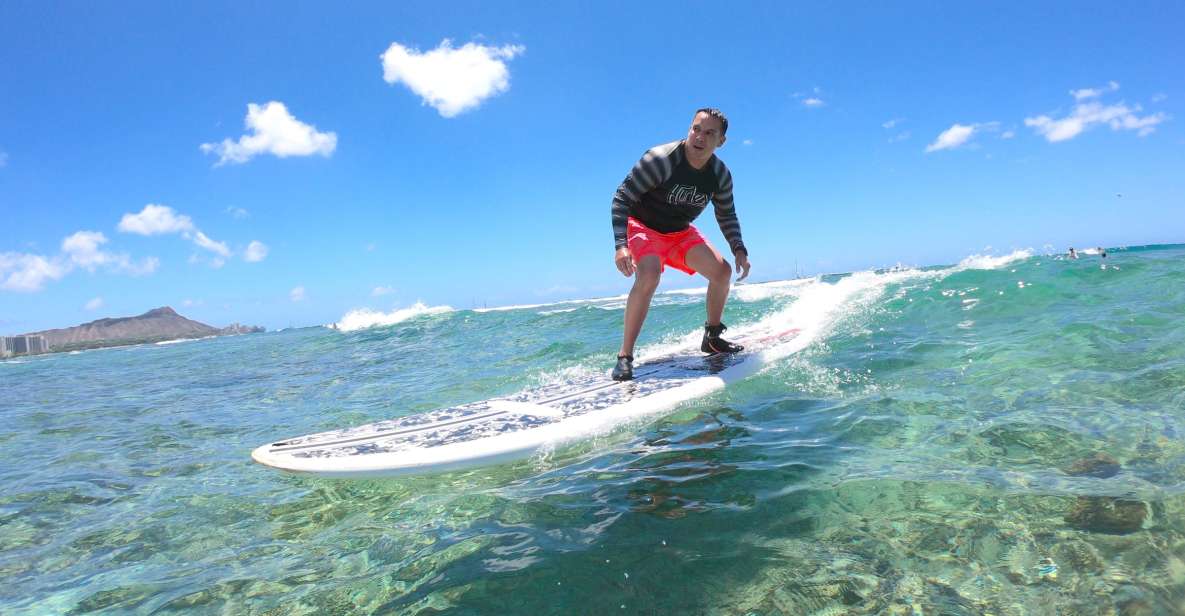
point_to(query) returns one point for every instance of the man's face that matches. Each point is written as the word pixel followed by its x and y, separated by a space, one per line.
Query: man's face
pixel 705 135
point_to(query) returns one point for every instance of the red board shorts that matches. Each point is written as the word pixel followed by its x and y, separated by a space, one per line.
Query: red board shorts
pixel 670 248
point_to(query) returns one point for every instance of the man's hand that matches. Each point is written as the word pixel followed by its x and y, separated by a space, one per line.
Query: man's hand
pixel 742 259
pixel 625 261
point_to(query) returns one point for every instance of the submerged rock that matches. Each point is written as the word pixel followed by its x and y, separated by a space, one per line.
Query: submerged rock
pixel 1107 514
pixel 1097 464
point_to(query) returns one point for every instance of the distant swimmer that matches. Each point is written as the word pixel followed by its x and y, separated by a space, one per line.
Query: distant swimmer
pixel 1102 253
pixel 652 213
pixel 1073 253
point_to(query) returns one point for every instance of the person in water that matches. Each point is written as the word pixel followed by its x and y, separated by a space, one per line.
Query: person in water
pixel 1073 253
pixel 652 213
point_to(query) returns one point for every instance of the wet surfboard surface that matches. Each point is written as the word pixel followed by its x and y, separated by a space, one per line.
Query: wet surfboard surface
pixel 515 427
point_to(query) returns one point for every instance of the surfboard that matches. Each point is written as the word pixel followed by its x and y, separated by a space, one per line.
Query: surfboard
pixel 515 427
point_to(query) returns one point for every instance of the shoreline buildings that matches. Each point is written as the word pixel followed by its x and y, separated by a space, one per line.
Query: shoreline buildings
pixel 22 345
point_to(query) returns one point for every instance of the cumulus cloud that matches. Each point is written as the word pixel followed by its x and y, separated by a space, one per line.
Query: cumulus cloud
pixel 453 80
pixel 1008 134
pixel 28 272
pixel 94 304
pixel 953 137
pixel 380 291
pixel 256 252
pixel 272 130
pixel 297 294
pixel 813 102
pixel 83 249
pixel 1086 115
pixel 162 219
pixel 155 220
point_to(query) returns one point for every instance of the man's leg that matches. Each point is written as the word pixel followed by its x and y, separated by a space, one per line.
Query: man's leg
pixel 705 260
pixel 649 271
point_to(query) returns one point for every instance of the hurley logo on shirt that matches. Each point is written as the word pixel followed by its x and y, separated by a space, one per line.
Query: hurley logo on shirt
pixel 682 194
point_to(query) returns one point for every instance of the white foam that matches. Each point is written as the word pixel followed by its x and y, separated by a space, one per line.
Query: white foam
pixel 988 262
pixel 363 318
pixel 816 307
pixel 558 311
pixel 180 340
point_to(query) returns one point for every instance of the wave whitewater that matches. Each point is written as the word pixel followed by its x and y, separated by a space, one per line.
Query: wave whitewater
pixel 364 318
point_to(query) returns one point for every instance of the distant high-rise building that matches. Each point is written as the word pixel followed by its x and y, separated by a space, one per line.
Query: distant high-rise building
pixel 23 345
pixel 38 344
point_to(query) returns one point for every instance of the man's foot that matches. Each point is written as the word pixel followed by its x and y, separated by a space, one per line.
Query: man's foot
pixel 713 343
pixel 624 370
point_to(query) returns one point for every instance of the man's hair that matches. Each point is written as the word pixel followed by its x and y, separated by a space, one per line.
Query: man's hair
pixel 715 113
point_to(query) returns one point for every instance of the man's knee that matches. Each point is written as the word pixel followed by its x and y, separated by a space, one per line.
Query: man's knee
pixel 722 273
pixel 647 277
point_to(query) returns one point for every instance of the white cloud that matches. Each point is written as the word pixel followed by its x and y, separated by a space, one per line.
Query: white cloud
pixel 161 219
pixel 953 137
pixel 28 272
pixel 297 294
pixel 452 80
pixel 901 136
pixel 891 123
pixel 272 131
pixel 1086 115
pixel 256 252
pixel 83 250
pixel 747 142
pixel 238 213
pixel 1008 134
pixel 155 220
pixel 813 102
pixel 1085 93
pixel 1159 98
pixel 94 304
pixel 381 291
pixel 218 248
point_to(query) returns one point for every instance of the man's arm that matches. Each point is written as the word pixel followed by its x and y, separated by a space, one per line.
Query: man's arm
pixel 650 171
pixel 726 217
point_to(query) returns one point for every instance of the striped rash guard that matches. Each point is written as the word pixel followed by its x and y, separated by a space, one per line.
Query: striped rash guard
pixel 664 192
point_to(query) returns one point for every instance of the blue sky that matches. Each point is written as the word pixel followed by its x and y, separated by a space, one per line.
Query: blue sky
pixel 481 171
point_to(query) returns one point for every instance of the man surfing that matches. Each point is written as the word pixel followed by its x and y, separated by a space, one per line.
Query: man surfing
pixel 652 214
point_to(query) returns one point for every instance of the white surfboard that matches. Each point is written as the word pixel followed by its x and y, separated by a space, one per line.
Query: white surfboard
pixel 514 428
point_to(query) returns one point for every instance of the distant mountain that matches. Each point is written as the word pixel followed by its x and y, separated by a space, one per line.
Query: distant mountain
pixel 153 326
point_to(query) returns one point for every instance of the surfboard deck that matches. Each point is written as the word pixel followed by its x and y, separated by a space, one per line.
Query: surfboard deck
pixel 511 428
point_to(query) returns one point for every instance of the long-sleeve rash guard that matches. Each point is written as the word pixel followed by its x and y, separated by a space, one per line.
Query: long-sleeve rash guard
pixel 666 193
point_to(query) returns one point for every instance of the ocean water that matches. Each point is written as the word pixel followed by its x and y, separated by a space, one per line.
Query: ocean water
pixel 1002 436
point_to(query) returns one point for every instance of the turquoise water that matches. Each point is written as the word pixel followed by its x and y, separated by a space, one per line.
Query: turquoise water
pixel 1003 436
